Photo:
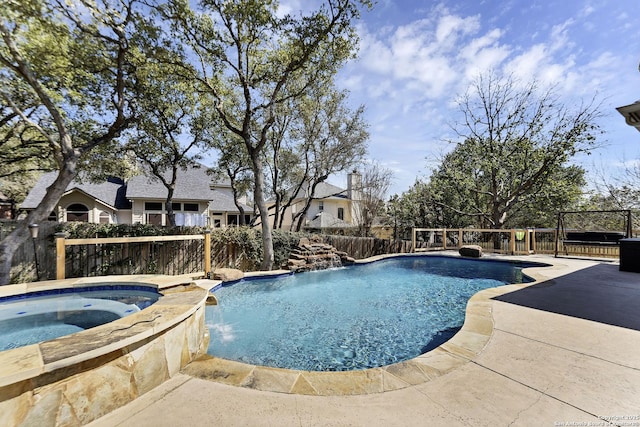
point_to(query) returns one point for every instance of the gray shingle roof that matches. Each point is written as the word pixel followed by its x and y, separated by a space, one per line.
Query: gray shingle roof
pixel 110 192
pixel 222 202
pixel 191 184
pixel 324 190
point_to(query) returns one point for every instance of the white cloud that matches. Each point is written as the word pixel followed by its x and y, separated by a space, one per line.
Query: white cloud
pixel 526 65
pixel 484 53
pixel 559 36
pixel 426 52
pixel 450 25
pixel 586 11
pixel 409 74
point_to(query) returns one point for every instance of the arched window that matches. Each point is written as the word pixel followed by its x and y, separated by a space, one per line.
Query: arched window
pixel 77 212
pixel 105 217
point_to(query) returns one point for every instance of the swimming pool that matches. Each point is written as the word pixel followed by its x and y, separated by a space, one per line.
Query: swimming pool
pixel 359 317
pixel 45 315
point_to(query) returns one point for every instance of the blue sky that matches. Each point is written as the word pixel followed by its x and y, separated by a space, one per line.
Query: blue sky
pixel 416 56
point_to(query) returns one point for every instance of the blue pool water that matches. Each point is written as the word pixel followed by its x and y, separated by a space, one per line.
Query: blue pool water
pixel 352 318
pixel 29 319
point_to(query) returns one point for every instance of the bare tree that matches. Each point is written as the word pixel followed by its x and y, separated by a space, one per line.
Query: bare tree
pixel 332 139
pixel 517 141
pixel 369 192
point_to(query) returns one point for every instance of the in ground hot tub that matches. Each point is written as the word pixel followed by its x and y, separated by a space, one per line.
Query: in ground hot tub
pixel 77 377
pixel 44 315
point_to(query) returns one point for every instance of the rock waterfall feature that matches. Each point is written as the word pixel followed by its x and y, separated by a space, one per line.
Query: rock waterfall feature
pixel 313 254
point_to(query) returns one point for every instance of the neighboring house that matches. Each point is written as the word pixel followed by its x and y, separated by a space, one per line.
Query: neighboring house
pixel 332 207
pixel 7 207
pixel 86 202
pixel 197 200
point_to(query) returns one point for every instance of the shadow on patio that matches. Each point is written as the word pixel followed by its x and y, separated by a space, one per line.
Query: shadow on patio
pixel 600 293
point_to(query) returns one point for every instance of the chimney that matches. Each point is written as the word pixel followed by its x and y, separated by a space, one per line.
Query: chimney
pixel 354 185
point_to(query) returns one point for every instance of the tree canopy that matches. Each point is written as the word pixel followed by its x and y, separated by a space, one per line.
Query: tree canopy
pixel 250 60
pixel 68 83
pixel 514 159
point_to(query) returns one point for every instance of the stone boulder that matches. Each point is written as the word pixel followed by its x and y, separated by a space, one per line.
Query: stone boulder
pixel 473 251
pixel 227 274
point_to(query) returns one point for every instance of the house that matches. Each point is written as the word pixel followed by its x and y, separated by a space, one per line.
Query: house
pixel 332 207
pixel 197 200
pixel 7 207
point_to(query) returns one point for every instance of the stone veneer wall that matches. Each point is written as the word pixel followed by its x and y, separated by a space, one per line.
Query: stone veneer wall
pixel 313 254
pixel 84 376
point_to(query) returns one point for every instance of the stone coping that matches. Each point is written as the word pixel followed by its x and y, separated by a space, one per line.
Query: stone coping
pixel 463 347
pixel 182 296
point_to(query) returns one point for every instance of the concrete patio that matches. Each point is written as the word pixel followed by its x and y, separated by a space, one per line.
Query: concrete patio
pixel 563 351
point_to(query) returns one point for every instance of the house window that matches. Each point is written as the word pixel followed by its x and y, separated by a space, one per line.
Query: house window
pixel 320 206
pixel 53 216
pixel 191 207
pixel 77 213
pixel 152 206
pixel 341 213
pixel 233 219
pixel 105 218
pixel 176 206
pixel 154 218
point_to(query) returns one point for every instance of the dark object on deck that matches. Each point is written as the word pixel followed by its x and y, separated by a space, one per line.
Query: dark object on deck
pixel 630 255
pixel 473 251
pixel 592 238
pixel 596 238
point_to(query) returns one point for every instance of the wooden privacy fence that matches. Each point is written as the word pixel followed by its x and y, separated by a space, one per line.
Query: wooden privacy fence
pixel 365 247
pixel 181 254
pixel 133 255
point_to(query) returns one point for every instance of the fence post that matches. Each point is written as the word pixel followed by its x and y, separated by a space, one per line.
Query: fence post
pixel 444 239
pixel 413 240
pixel 533 241
pixel 60 256
pixel 512 242
pixel 460 237
pixel 207 254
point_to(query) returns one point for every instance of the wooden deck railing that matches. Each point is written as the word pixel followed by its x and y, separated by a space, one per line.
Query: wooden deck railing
pixel 508 241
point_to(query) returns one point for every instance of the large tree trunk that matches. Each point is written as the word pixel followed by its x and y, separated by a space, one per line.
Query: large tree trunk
pixel 300 216
pixel 12 242
pixel 168 206
pixel 241 220
pixel 258 194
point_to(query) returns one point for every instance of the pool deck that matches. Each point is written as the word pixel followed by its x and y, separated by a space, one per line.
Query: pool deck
pixel 562 351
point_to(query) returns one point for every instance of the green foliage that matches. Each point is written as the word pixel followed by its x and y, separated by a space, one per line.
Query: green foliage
pixel 252 60
pixel 473 190
pixel 248 242
pixel 84 230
